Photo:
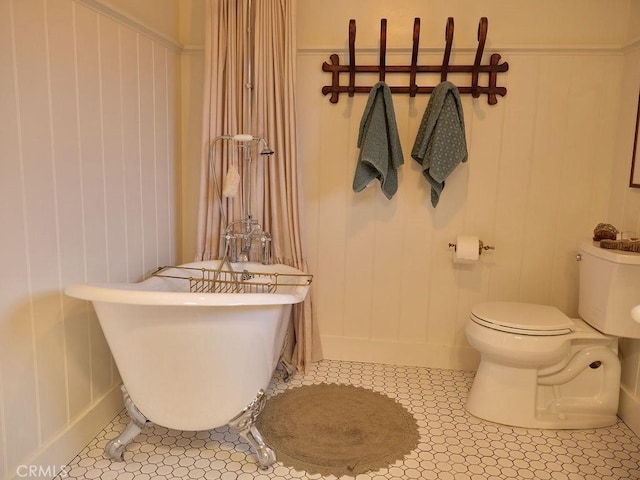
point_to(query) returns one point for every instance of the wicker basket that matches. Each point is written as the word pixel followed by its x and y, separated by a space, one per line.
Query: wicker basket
pixel 625 245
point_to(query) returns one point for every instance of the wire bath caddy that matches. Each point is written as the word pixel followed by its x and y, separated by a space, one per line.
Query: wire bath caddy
pixel 205 280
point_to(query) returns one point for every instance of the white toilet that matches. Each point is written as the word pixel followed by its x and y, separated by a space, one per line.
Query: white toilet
pixel 541 369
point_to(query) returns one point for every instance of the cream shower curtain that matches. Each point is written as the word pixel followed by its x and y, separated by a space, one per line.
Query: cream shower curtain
pixel 276 202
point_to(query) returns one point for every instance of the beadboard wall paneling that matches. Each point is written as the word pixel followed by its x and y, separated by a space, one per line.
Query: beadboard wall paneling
pixel 546 164
pixel 624 212
pixel 88 193
pixel 537 181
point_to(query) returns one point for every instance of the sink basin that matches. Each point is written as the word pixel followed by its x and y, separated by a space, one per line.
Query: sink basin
pixel 635 313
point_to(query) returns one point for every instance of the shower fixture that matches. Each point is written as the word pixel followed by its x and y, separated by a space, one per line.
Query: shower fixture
pixel 239 236
pixel 266 151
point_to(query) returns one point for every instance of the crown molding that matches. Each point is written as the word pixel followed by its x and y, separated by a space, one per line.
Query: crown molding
pixel 103 7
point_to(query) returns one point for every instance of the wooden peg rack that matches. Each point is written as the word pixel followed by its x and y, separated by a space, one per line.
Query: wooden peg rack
pixel 492 69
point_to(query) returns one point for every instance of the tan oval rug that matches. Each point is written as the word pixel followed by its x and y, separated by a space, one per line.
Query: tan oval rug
pixel 334 429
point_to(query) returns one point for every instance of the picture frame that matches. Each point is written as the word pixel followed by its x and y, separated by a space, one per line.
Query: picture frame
pixel 634 178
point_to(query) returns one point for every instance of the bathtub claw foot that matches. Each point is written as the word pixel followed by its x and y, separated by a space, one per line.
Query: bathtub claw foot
pixel 244 425
pixel 115 448
pixel 266 456
pixel 289 370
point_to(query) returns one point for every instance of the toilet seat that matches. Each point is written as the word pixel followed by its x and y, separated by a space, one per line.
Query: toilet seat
pixel 522 318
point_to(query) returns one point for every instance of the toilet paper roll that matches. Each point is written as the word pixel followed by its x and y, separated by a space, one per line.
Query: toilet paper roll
pixel 467 249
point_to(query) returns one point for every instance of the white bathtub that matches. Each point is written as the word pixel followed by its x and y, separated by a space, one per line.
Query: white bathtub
pixel 195 361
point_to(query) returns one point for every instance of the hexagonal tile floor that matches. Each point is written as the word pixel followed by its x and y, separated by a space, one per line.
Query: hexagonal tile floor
pixel 453 446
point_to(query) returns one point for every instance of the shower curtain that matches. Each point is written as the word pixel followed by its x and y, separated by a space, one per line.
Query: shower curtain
pixel 276 204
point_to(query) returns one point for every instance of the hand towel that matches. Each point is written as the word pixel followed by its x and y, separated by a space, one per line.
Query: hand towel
pixel 379 143
pixel 441 144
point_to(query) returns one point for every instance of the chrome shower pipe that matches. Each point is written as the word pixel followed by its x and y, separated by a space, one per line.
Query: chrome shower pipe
pixel 245 137
pixel 250 228
pixel 250 141
pixel 250 53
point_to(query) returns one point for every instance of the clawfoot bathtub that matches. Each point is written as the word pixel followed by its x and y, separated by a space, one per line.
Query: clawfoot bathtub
pixel 196 346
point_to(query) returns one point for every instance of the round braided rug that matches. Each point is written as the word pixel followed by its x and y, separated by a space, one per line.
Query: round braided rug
pixel 334 429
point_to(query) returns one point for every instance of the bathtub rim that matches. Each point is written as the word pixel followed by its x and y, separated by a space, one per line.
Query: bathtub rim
pixel 120 293
pixel 143 293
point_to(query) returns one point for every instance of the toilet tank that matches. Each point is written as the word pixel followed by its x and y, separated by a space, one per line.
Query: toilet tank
pixel 609 289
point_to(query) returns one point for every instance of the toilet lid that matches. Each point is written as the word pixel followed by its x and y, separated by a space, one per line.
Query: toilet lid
pixel 522 318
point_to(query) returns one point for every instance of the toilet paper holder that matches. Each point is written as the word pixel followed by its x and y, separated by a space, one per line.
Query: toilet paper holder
pixel 481 247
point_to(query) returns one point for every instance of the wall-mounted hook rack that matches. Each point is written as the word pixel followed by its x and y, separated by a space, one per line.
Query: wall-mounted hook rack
pixel 492 69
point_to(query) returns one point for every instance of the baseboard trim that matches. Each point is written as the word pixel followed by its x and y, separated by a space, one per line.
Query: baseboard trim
pixel 629 410
pixel 354 349
pixel 57 453
pixel 438 356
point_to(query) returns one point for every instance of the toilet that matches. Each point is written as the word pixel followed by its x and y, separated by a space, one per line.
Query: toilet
pixel 541 369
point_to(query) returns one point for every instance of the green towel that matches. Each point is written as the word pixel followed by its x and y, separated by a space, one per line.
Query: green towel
pixel 440 144
pixel 380 151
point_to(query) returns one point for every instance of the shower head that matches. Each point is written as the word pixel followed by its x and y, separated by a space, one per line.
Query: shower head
pixel 266 151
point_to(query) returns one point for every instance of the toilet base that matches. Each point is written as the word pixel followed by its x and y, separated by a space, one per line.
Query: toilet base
pixel 509 395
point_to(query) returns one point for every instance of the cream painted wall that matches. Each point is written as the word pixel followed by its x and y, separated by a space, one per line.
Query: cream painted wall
pixel 546 164
pixel 191 151
pixel 192 23
pixel 624 205
pixel 633 29
pixel 88 180
pixel 192 61
pixel 525 23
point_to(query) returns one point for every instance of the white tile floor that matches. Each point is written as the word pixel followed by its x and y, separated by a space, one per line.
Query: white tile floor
pixel 454 445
